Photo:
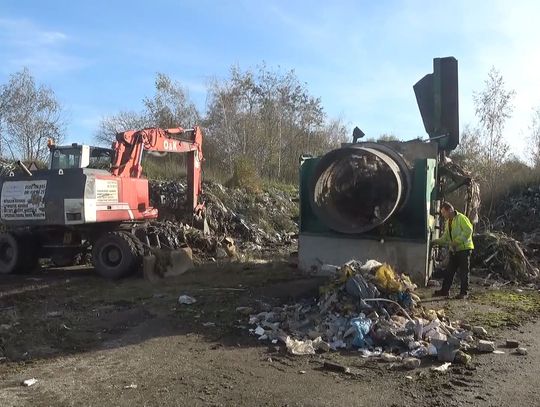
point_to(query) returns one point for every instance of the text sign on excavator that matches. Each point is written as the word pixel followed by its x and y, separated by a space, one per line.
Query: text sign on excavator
pixel 170 145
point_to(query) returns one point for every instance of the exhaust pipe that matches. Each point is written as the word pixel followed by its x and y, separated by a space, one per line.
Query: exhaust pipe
pixel 356 188
pixel 24 168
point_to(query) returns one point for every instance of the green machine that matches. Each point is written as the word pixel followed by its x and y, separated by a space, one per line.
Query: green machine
pixel 380 200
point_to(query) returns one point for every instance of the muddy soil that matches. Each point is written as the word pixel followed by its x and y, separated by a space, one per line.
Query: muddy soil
pixel 91 342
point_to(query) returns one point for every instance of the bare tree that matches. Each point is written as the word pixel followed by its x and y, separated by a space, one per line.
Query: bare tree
pixel 110 125
pixel 534 139
pixel 168 107
pixel 469 152
pixel 29 116
pixel 269 117
pixel 493 107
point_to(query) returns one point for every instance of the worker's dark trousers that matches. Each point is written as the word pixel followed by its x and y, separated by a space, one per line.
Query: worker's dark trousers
pixel 459 262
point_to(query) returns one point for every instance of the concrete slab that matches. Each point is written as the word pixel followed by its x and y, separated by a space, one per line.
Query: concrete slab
pixel 404 256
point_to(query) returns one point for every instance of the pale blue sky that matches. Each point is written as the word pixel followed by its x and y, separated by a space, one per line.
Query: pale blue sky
pixel 360 57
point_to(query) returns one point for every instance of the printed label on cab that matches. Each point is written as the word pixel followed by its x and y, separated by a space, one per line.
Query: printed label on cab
pixel 23 200
pixel 106 191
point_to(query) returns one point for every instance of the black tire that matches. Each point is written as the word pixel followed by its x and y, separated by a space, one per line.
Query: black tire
pixel 29 248
pixel 115 255
pixel 139 246
pixel 10 253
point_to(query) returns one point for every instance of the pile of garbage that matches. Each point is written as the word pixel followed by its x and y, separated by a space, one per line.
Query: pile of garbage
pixel 517 214
pixel 371 308
pixel 501 255
pixel 257 222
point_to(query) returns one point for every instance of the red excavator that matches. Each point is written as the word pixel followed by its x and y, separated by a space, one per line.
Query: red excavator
pixel 93 198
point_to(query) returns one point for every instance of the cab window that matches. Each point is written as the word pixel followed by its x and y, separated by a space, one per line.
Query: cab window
pixel 65 158
pixel 100 158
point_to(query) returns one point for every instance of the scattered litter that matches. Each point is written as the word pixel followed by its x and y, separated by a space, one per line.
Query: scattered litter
pixel 432 350
pixel 259 331
pixel 245 310
pixel 366 353
pixel 486 346
pixel 319 344
pixel 339 344
pixel 388 357
pixel 498 352
pixel 54 314
pixel 131 386
pixel 510 343
pixel 522 351
pixel 208 324
pixel 361 327
pixel 442 368
pixel 479 330
pixel 186 300
pixel 335 367
pixel 297 347
pixel 411 363
pixel 409 377
pixel 29 382
pixel 446 349
pixel 302 372
pixel 462 358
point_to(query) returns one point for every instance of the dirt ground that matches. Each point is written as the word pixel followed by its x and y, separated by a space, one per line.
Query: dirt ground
pixel 91 342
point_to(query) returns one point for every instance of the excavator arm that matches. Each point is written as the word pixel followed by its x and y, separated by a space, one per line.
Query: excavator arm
pixel 129 147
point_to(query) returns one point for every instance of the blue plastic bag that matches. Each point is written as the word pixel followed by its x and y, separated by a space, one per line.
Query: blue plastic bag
pixel 362 326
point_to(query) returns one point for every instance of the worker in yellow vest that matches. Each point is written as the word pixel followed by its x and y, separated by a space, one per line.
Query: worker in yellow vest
pixel 457 236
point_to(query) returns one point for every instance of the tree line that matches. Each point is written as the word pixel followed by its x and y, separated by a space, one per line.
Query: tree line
pixel 262 116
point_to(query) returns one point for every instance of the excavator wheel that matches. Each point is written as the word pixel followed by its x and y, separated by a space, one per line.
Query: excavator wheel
pixel 115 255
pixel 10 253
pixel 30 252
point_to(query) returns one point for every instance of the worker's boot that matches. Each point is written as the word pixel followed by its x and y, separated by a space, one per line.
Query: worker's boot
pixel 462 296
pixel 441 293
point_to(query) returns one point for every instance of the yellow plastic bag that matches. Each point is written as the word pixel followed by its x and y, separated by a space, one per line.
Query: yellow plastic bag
pixel 386 279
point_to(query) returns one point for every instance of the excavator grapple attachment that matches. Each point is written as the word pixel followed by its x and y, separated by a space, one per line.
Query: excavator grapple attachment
pixel 167 263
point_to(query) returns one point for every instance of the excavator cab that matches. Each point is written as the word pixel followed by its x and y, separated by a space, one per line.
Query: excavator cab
pixel 79 156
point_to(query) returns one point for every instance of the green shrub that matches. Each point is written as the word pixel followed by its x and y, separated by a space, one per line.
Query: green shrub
pixel 245 175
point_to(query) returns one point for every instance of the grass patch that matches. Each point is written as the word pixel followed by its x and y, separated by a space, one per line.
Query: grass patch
pixel 494 319
pixel 508 308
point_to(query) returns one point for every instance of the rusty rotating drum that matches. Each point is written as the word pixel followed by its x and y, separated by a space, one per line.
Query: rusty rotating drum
pixel 358 187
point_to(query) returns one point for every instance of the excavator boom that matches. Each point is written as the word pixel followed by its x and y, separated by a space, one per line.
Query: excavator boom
pixel 130 145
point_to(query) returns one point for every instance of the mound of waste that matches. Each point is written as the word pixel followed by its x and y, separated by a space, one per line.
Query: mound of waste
pixel 252 221
pixel 371 308
pixel 518 213
pixel 501 255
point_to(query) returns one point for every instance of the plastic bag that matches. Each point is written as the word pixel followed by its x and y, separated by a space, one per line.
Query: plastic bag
pixel 362 326
pixel 386 279
pixel 297 347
